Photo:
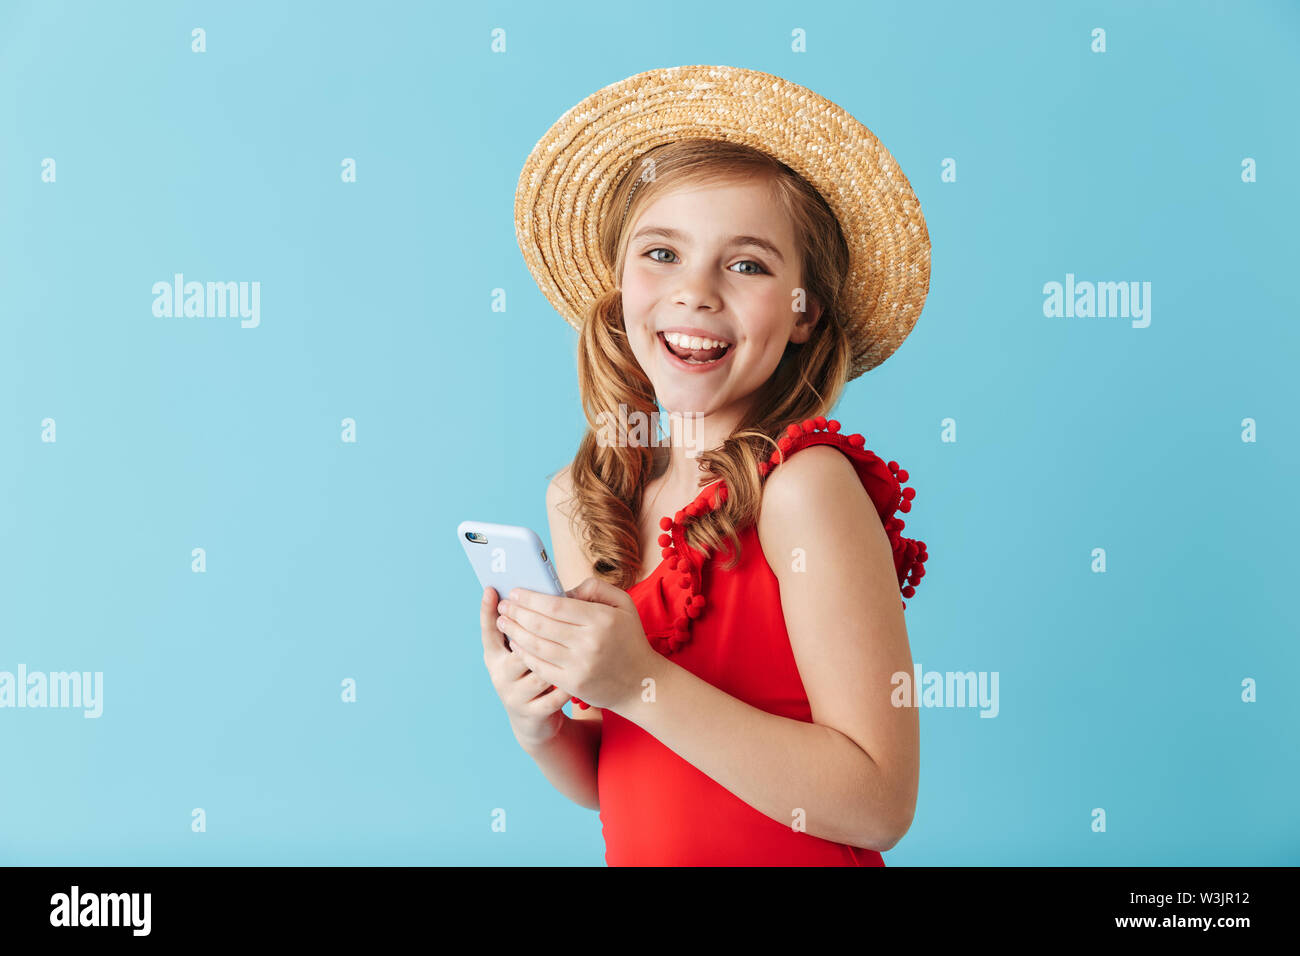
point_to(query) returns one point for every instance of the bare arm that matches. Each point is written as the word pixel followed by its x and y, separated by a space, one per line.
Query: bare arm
pixel 853 772
pixel 568 760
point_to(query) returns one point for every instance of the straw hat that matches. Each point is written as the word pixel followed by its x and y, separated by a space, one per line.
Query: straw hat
pixel 565 187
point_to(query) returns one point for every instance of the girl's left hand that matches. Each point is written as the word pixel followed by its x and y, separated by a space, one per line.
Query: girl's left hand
pixel 589 642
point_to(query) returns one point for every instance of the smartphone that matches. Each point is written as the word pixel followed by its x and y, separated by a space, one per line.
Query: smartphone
pixel 507 556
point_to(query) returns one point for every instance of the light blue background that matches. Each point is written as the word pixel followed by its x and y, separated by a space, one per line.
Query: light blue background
pixel 328 560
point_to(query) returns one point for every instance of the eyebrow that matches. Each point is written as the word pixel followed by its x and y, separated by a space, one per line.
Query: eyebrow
pixel 675 235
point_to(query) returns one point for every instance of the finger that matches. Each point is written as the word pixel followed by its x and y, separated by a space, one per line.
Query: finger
pixel 539 647
pixel 542 668
pixel 594 590
pixel 527 688
pixel 554 638
pixel 540 689
pixel 557 608
pixel 509 667
pixel 550 702
pixel 493 639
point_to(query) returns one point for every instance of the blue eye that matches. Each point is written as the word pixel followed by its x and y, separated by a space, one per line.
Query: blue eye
pixel 758 269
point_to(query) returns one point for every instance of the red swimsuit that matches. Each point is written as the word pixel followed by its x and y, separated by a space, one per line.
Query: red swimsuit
pixel 655 808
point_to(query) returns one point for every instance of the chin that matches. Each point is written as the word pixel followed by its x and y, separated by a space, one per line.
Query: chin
pixel 680 401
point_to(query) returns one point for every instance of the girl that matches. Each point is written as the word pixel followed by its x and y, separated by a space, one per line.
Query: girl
pixel 733 248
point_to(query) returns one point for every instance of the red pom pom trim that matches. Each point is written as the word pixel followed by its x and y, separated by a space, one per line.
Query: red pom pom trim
pixel 909 555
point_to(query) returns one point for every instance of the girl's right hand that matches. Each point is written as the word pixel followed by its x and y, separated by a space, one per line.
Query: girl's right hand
pixel 535 706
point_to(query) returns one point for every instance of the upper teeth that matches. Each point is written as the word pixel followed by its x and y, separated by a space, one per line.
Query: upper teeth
pixel 693 342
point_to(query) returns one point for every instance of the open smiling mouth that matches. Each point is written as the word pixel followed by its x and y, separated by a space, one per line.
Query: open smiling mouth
pixel 694 358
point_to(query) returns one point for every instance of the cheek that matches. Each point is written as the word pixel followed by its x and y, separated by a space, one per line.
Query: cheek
pixel 638 305
pixel 774 300
pixel 637 286
pixel 770 317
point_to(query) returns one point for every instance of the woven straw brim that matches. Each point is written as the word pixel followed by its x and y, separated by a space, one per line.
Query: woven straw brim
pixel 565 188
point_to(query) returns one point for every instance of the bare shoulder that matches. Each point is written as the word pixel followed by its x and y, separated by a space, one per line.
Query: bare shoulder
pixel 560 490
pixel 571 562
pixel 816 496
pixel 817 477
pixel 562 516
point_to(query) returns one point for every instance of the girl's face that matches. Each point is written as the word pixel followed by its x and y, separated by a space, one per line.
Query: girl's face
pixel 715 262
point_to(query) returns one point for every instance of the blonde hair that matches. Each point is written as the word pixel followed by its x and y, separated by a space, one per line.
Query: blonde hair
pixel 609 479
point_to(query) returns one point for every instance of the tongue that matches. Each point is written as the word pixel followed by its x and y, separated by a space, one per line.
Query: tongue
pixel 700 355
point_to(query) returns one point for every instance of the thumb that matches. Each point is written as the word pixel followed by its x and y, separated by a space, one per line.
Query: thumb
pixel 599 592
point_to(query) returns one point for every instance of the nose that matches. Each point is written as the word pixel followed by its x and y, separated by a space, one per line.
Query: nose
pixel 697 288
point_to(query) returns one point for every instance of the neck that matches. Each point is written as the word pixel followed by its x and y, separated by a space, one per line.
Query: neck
pixel 691 433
